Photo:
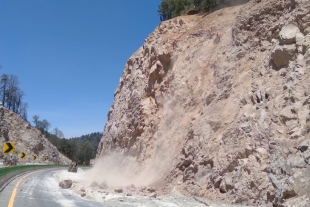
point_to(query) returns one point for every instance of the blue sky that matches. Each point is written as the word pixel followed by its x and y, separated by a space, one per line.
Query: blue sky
pixel 69 55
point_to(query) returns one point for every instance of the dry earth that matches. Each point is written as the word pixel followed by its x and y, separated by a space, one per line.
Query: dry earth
pixel 28 140
pixel 225 121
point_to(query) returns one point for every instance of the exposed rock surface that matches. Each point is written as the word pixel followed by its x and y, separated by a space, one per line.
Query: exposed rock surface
pixel 27 139
pixel 227 121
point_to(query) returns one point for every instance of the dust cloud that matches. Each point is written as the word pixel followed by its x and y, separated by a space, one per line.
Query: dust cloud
pixel 120 171
pixel 157 154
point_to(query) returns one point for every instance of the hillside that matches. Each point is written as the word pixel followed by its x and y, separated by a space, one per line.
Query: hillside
pixel 81 149
pixel 28 140
pixel 225 121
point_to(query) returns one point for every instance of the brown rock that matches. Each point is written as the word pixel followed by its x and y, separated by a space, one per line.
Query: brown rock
pixel 118 190
pixel 288 34
pixel 104 185
pixel 94 184
pixel 65 184
pixel 150 189
pixel 281 55
pixel 153 195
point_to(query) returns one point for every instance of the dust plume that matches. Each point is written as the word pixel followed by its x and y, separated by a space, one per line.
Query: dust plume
pixel 119 170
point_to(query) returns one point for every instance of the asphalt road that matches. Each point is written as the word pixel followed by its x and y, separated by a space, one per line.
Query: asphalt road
pixel 40 189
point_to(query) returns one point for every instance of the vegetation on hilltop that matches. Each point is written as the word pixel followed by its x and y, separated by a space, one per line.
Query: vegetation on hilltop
pixel 172 8
pixel 11 95
pixel 81 149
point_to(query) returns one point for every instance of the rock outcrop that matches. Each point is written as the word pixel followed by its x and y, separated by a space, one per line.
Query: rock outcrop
pixel 226 121
pixel 28 140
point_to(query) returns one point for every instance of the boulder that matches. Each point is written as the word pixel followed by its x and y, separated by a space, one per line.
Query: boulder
pixel 275 182
pixel 142 189
pixel 150 189
pixel 299 42
pixel 306 42
pixel 118 190
pixel 94 184
pixel 131 186
pixel 65 184
pixel 226 184
pixel 82 189
pixel 73 167
pixel 296 161
pixel 103 185
pixel 153 195
pixel 281 55
pixel 288 34
pixel 307 58
pixel 185 162
pixel 192 12
pixel 83 194
pixel 303 146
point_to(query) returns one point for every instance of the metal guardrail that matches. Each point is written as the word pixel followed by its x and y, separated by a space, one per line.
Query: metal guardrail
pixel 8 173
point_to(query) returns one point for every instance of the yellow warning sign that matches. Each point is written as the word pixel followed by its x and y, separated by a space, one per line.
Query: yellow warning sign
pixel 22 155
pixel 8 147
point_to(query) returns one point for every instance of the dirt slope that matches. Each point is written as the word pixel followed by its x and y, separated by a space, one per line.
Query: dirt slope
pixel 226 121
pixel 28 140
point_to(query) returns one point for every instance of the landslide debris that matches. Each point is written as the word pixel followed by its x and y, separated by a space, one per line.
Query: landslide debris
pixel 226 122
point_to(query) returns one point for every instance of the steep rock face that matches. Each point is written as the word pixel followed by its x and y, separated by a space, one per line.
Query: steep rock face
pixel 226 121
pixel 28 140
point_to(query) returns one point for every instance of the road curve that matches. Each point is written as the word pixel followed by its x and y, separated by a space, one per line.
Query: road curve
pixel 39 189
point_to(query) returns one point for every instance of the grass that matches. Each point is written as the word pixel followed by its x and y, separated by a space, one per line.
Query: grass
pixel 6 170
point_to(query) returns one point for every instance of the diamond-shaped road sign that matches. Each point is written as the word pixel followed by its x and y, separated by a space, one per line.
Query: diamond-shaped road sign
pixel 22 155
pixel 8 147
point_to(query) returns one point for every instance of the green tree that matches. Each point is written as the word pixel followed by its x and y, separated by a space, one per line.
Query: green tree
pixel 58 133
pixel 35 120
pixel 85 152
pixel 172 8
pixel 4 82
pixel 10 93
pixel 164 10
pixel 23 111
pixel 43 126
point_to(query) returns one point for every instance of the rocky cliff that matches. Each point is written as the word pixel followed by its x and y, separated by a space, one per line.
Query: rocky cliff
pixel 225 121
pixel 28 140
